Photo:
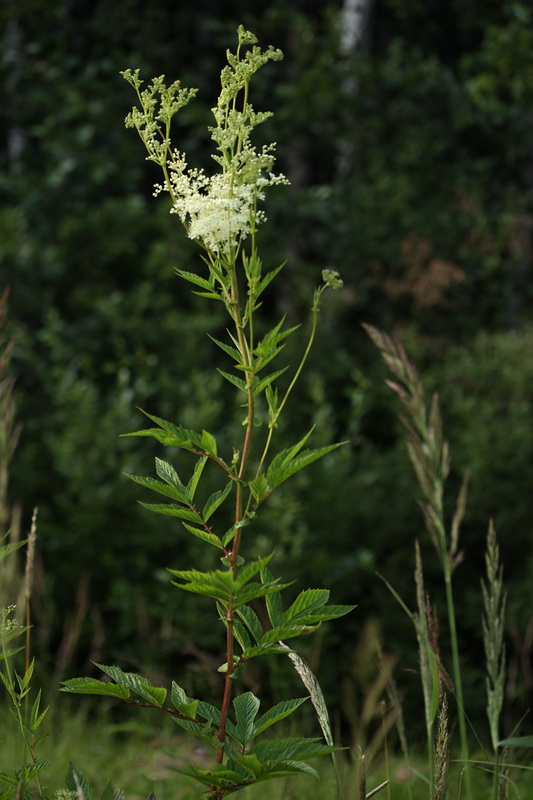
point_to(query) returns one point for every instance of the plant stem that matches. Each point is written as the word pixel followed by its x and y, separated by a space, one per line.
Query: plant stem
pixel 245 355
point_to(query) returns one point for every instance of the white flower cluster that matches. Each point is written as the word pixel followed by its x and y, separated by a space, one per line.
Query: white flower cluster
pixel 220 210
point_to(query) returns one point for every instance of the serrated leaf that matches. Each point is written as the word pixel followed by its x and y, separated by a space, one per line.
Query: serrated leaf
pixel 259 488
pixel 209 443
pixel 173 510
pixel 291 749
pixel 195 477
pixel 219 585
pixel 209 712
pixel 111 792
pixel 203 732
pixel 178 695
pixel 252 569
pixel 246 708
pixel 268 649
pixel 277 713
pixel 209 295
pixel 238 382
pixel 10 780
pixel 252 621
pixel 136 683
pixel 273 601
pixel 167 473
pixel 197 280
pixel 157 486
pixel 270 341
pixel 259 386
pixel 285 464
pixel 250 766
pixel 219 776
pixel 331 612
pixel 241 635
pixel 36 715
pixel 94 686
pixel 306 602
pixel 205 536
pixel 216 500
pixel 287 631
pixel 224 588
pixel 231 351
pixel 267 279
pixel 77 782
pixel 177 436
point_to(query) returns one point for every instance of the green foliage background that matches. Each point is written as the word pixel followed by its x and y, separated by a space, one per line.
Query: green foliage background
pixel 411 164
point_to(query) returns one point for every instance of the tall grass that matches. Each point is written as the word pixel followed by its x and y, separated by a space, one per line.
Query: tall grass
pixel 430 457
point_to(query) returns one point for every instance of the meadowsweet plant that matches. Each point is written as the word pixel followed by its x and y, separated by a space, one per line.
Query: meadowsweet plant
pixel 221 212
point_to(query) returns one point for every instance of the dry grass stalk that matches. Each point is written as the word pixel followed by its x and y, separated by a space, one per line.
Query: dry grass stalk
pixel 441 760
pixel 493 630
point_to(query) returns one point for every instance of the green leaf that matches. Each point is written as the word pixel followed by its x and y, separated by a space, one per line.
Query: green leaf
pixel 210 295
pixel 209 443
pixel 77 782
pixel 36 715
pixel 205 536
pixel 224 588
pixel 136 683
pixel 110 792
pixel 231 351
pixel 517 741
pixel 196 279
pixel 287 631
pixel 267 279
pixel 291 749
pixel 238 382
pixel 7 549
pixel 216 584
pixel 259 488
pixel 161 488
pixel 241 635
pixel 215 500
pixel 10 780
pixel 261 385
pixel 250 765
pixel 209 712
pixel 173 510
pixel 252 569
pixel 277 713
pixel 219 776
pixel 94 686
pixel 246 708
pixel 307 601
pixel 254 590
pixel 288 462
pixel 195 477
pixel 176 436
pixel 268 649
pixel 252 621
pixel 167 473
pixel 273 601
pixel 269 342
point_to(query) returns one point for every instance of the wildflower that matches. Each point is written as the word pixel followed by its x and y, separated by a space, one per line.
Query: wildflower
pixel 219 210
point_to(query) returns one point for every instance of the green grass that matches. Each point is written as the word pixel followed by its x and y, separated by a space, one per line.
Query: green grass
pixel 140 757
